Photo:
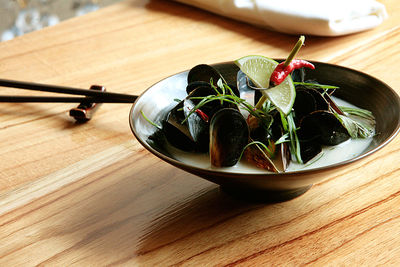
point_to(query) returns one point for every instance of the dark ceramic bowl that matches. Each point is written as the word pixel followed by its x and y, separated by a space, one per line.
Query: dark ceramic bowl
pixel 357 88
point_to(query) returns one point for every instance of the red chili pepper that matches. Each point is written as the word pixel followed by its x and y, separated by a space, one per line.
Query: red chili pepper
pixel 202 115
pixel 281 71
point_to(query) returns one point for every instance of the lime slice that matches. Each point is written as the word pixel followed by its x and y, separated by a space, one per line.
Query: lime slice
pixel 259 70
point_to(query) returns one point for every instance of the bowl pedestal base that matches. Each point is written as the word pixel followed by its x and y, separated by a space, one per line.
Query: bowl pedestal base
pixel 267 196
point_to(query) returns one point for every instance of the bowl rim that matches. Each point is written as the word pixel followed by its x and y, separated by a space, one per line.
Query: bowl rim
pixel 289 174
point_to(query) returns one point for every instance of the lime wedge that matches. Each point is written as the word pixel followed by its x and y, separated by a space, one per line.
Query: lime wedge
pixel 259 70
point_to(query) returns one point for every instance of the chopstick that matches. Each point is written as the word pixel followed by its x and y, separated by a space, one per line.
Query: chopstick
pixel 95 96
pixel 60 99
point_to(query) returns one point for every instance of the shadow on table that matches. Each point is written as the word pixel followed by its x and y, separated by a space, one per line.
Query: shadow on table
pixel 156 217
pixel 210 220
pixel 145 211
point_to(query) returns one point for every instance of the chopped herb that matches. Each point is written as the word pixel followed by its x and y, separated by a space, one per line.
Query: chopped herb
pixel 316 85
pixel 360 123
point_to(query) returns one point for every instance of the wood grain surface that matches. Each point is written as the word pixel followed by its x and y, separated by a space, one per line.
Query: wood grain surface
pixel 91 195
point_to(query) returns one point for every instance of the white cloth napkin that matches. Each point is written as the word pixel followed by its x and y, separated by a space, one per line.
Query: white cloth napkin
pixel 314 17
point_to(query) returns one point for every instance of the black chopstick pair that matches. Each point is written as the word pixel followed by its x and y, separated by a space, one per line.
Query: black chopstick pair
pixel 91 96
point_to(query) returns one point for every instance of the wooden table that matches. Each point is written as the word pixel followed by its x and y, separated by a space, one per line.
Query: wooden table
pixel 90 194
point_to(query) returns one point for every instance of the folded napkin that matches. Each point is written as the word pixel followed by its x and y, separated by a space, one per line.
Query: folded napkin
pixel 314 17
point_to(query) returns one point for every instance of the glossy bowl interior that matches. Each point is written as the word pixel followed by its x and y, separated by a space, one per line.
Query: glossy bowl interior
pixel 356 87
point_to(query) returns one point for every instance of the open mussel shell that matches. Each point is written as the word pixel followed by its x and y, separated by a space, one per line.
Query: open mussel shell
pixel 256 154
pixel 229 134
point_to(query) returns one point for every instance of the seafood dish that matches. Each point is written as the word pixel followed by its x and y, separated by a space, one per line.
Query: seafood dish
pixel 229 117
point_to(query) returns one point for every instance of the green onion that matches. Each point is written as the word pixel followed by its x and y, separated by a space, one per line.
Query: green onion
pixel 316 85
pixel 149 121
pixel 294 140
pixel 363 113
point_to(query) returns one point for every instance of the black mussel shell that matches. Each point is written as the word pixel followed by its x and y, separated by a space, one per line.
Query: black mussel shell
pixel 203 72
pixel 323 127
pixel 308 100
pixel 191 135
pixel 257 96
pixel 276 127
pixel 228 72
pixel 177 138
pixel 320 102
pixel 282 153
pixel 194 85
pixel 197 125
pixel 277 162
pixel 304 104
pixel 206 73
pixel 229 134
pixel 259 127
pixel 309 150
pixel 177 133
pixel 175 118
pixel 234 89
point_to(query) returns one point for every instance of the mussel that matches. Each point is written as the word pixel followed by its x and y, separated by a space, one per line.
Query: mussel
pixel 204 73
pixel 229 134
pixel 307 101
pixel 176 132
pixel 318 126
pixel 198 120
pixel 194 85
pixel 260 153
pixel 267 130
pixel 324 128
